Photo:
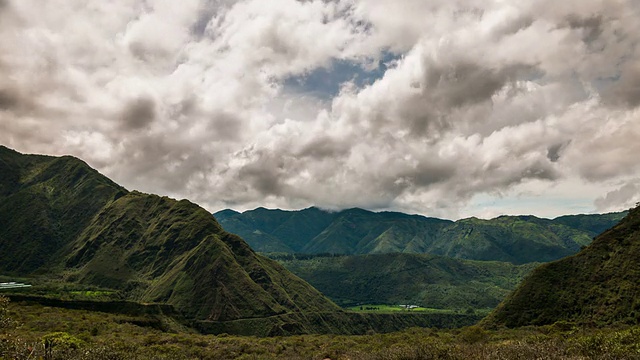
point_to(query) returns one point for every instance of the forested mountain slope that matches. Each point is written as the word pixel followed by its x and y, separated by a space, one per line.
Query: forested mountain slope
pixel 427 280
pixel 61 218
pixel 599 285
pixel 515 239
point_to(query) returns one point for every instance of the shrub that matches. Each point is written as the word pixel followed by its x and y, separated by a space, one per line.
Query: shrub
pixel 473 334
pixel 5 320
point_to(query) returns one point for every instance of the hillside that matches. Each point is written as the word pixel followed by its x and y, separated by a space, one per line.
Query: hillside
pixel 61 218
pixel 427 280
pixel 515 239
pixel 599 285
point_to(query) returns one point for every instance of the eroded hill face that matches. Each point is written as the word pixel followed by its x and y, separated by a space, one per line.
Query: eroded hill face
pixel 599 285
pixel 59 216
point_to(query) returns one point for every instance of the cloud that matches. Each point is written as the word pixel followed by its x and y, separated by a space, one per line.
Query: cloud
pixel 138 113
pixel 627 196
pixel 410 105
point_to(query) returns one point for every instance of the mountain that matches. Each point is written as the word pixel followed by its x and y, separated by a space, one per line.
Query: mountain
pixel 61 218
pixel 599 285
pixel 426 280
pixel 515 239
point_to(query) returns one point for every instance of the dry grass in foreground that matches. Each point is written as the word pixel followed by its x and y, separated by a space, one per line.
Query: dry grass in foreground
pixel 36 332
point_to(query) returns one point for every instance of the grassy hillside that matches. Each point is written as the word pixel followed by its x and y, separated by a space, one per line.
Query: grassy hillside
pixel 425 280
pixel 599 285
pixel 82 335
pixel 61 218
pixel 515 239
pixel 45 202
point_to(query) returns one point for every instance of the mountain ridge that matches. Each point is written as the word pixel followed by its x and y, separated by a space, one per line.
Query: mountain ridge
pixel 62 219
pixel 516 239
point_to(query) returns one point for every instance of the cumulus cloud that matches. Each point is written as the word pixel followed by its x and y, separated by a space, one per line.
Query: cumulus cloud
pixel 191 99
pixel 627 196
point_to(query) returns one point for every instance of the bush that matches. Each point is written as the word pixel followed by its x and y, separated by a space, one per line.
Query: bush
pixel 5 320
pixel 473 334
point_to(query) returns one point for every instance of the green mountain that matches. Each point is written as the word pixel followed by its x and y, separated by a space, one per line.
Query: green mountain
pixel 515 239
pixel 61 218
pixel 599 285
pixel 426 280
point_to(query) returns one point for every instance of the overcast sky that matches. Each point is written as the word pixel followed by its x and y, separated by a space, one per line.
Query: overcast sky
pixel 448 108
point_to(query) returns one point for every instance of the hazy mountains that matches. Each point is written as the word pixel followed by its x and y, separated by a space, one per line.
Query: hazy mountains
pixel 515 239
pixel 61 218
pixel 597 286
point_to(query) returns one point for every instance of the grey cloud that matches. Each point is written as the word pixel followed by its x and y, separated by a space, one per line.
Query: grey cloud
pixel 625 91
pixel 451 88
pixel 9 100
pixel 622 198
pixel 199 27
pixel 430 172
pixel 463 83
pixel 324 147
pixel 147 52
pixel 511 27
pixel 225 126
pixel 138 113
pixel 592 26
pixel 554 152
pixel 266 174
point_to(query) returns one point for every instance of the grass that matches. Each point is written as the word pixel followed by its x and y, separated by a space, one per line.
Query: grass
pixel 394 308
pixel 382 308
pixel 92 294
pixel 53 333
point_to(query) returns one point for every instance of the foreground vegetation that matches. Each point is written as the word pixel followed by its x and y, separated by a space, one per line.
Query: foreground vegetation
pixel 34 331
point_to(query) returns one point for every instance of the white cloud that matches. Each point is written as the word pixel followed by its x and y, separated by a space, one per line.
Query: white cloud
pixel 187 99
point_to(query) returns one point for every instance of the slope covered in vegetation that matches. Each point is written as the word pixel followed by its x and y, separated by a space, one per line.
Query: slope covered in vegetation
pixel 515 239
pixel 599 285
pixel 61 218
pixel 426 280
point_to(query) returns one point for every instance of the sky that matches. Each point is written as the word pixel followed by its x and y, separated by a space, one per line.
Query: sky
pixel 446 108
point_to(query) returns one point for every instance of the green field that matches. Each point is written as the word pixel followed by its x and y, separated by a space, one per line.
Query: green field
pixel 381 308
pixel 395 308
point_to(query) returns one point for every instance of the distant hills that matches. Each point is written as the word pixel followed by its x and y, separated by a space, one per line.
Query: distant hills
pixel 426 280
pixel 62 219
pixel 515 239
pixel 598 286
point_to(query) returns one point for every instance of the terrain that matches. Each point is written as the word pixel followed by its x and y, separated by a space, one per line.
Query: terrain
pixel 63 221
pixel 57 333
pixel 598 286
pixel 430 281
pixel 515 239
pixel 85 242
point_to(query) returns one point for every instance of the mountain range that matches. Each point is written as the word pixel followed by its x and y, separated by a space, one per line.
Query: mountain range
pixel 515 239
pixel 63 221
